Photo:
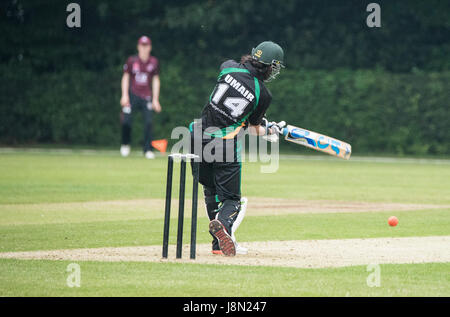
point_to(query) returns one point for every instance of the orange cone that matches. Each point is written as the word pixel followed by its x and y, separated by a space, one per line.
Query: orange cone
pixel 160 145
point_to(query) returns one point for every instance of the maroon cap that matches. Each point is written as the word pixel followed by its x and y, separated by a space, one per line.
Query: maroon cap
pixel 144 40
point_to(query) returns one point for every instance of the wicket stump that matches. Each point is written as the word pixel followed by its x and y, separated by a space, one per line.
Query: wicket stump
pixel 195 170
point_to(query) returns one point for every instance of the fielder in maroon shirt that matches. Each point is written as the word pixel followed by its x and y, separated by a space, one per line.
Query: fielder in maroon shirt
pixel 140 91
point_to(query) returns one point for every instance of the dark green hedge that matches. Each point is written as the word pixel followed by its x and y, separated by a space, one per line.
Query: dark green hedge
pixel 383 90
pixel 374 110
pixel 319 34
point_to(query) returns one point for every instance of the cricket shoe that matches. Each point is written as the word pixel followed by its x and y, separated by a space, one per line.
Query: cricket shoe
pixel 239 250
pixel 125 150
pixel 216 249
pixel 149 155
pixel 226 244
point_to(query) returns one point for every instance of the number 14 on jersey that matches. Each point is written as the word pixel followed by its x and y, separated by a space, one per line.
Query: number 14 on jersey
pixel 236 105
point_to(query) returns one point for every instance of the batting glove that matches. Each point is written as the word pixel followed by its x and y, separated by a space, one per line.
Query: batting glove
pixel 277 127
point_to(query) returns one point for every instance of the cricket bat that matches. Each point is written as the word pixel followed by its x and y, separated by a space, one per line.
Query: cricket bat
pixel 317 141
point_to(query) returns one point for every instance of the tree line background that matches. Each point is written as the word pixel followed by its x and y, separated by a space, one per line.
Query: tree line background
pixel 384 90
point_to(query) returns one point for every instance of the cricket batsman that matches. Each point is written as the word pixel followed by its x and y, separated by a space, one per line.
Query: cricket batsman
pixel 239 101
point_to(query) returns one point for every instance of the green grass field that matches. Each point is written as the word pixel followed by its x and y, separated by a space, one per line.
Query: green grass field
pixel 62 200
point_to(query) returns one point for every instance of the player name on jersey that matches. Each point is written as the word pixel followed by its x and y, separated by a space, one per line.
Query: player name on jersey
pixel 239 87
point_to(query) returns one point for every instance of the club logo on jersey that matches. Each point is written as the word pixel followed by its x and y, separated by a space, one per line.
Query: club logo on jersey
pixel 150 67
pixel 136 67
pixel 141 78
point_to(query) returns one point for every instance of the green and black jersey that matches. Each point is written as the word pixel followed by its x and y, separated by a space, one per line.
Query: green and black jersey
pixel 238 97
